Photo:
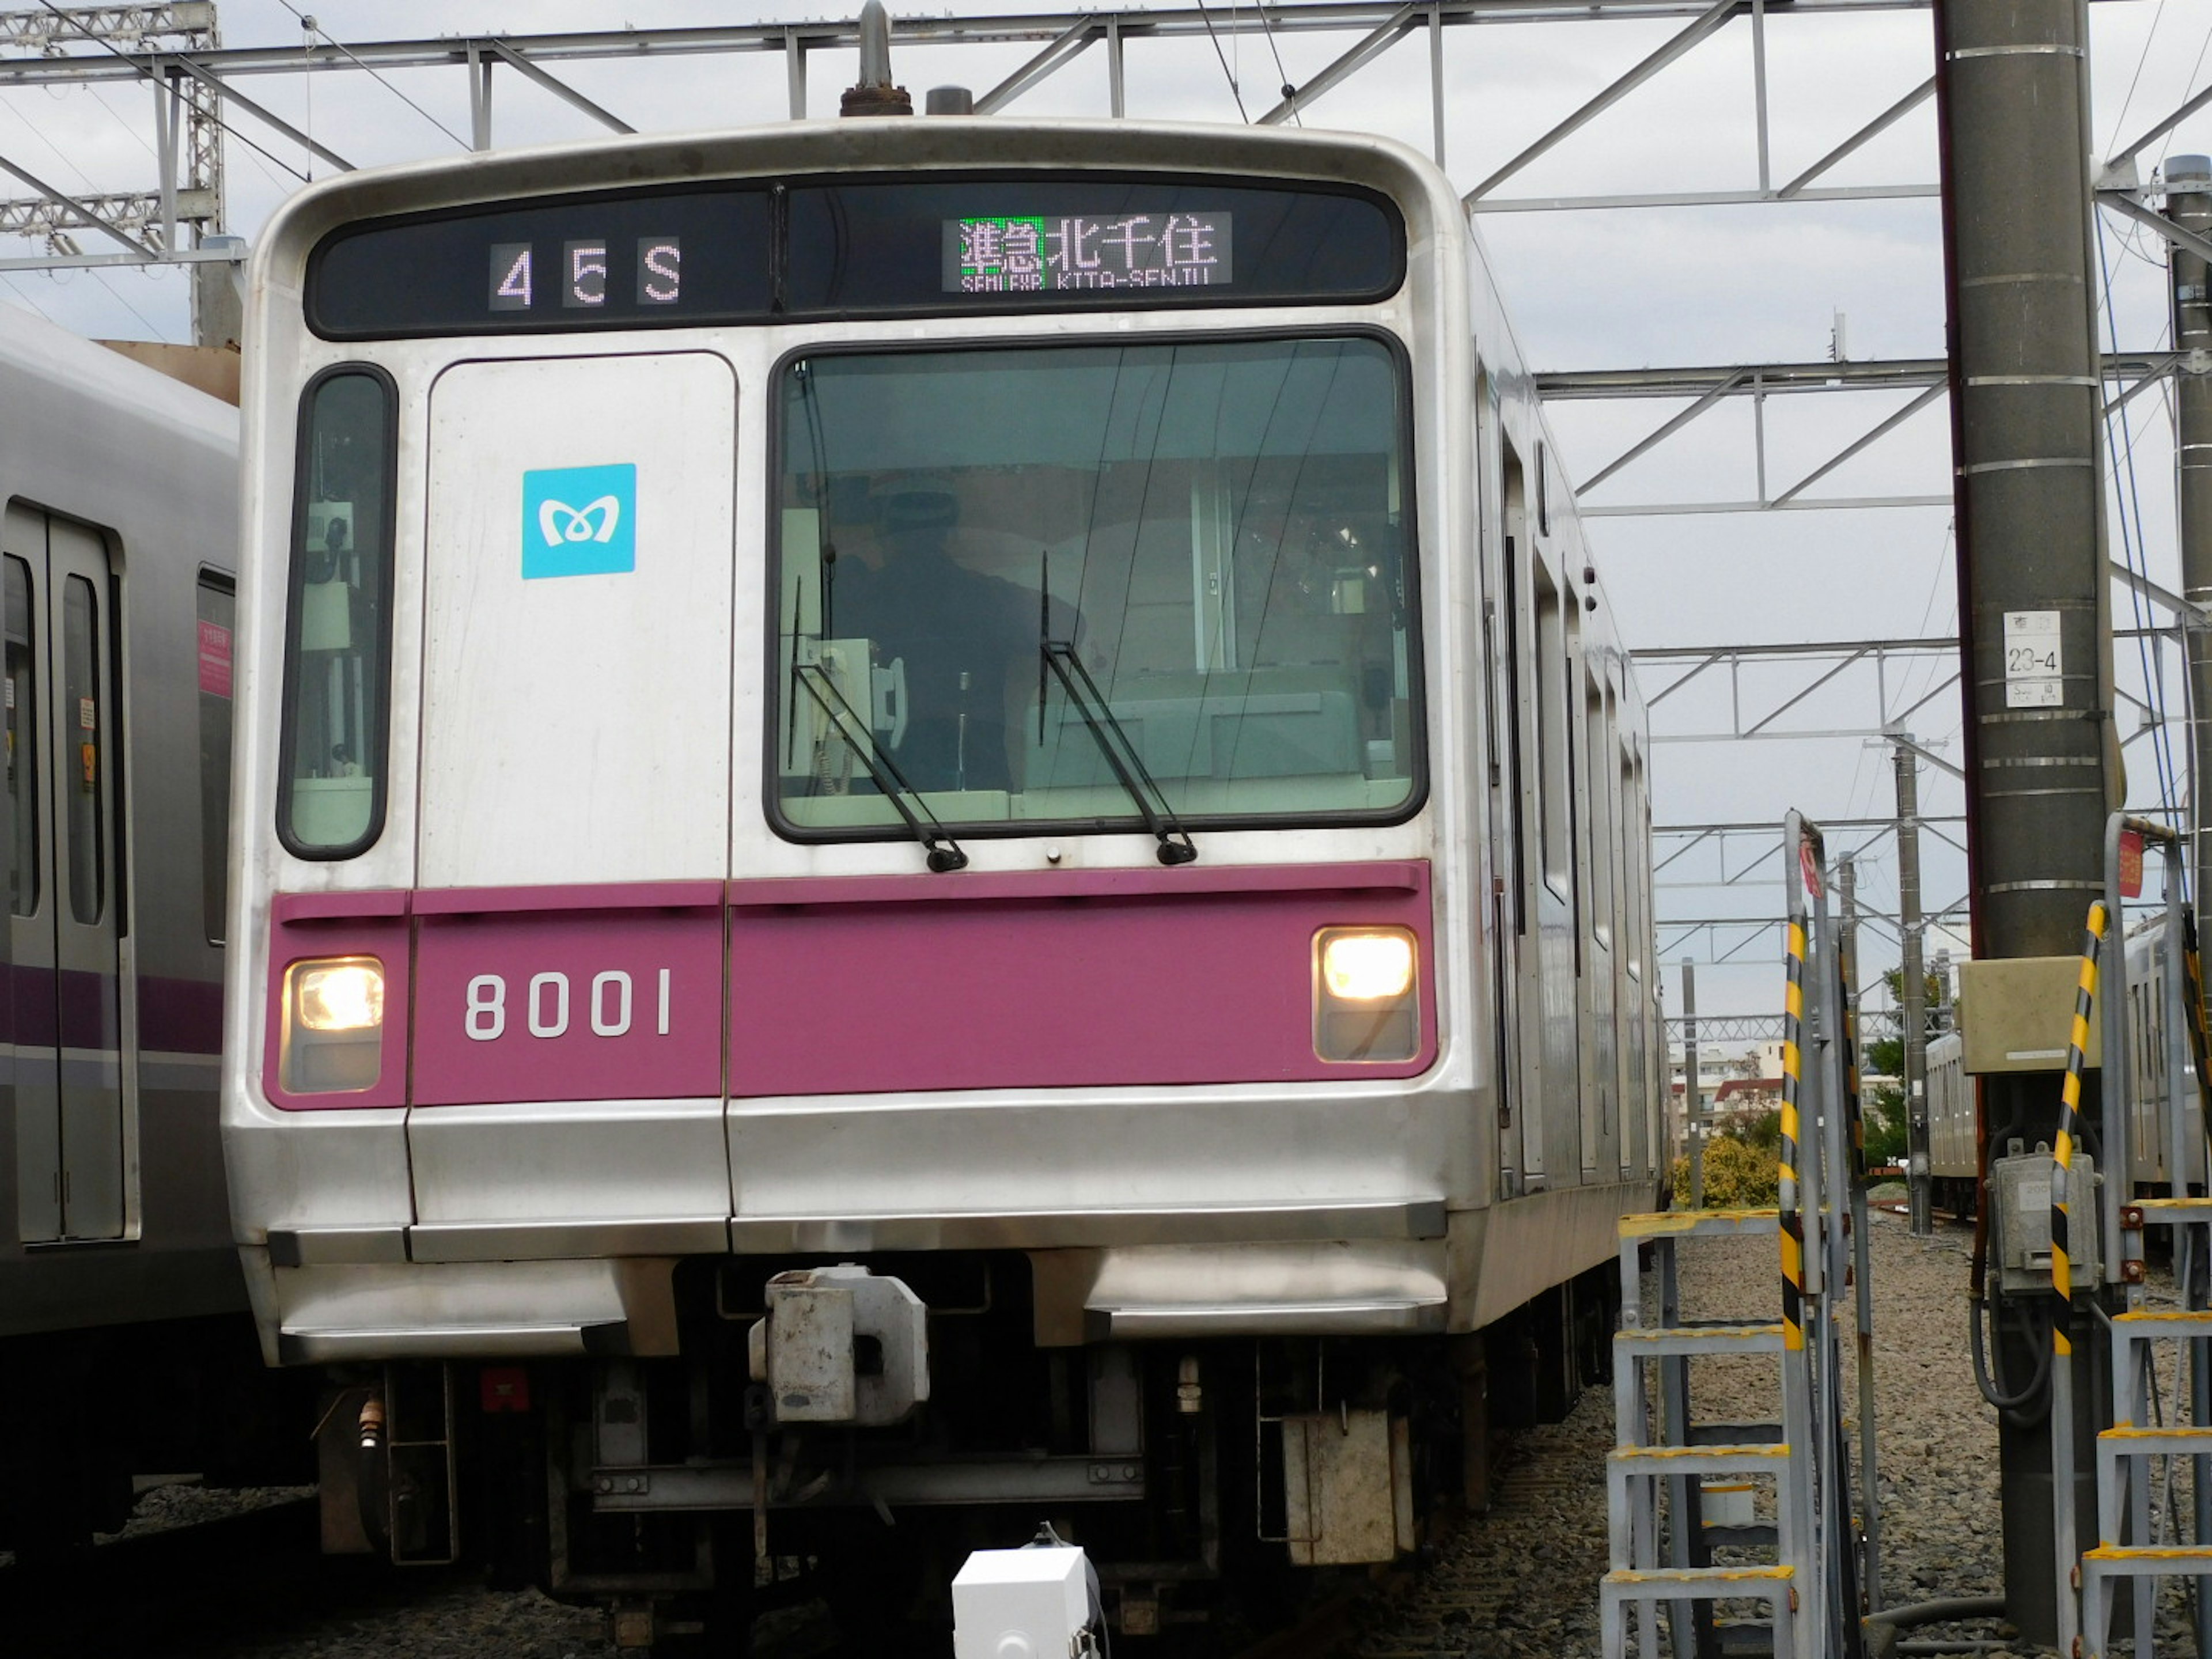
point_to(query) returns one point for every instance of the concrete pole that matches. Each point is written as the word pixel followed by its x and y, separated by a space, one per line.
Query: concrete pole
pixel 2041 756
pixel 1693 1088
pixel 1847 939
pixel 1911 999
pixel 2189 203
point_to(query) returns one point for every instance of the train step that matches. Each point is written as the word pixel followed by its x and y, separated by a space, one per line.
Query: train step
pixel 1657 1586
pixel 1701 1583
pixel 2189 1439
pixel 2144 1560
pixel 1768 1456
pixel 1735 1434
pixel 1658 1340
pixel 2145 1324
pixel 1701 1223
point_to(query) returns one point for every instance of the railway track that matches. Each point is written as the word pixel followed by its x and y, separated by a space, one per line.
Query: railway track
pixel 213 1587
pixel 1514 1582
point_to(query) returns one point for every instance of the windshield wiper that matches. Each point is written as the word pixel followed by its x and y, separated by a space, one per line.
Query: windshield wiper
pixel 945 853
pixel 1113 740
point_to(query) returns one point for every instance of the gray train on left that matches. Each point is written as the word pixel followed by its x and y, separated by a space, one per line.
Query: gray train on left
pixel 125 1348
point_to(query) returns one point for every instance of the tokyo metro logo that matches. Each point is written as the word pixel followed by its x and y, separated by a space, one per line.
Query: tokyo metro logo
pixel 580 521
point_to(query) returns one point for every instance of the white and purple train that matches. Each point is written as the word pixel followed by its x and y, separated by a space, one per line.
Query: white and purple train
pixel 935 814
pixel 126 1349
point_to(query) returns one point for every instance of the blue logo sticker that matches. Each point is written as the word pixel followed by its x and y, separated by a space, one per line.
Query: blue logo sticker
pixel 580 521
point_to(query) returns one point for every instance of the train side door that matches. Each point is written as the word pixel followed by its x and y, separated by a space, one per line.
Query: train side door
pixel 62 750
pixel 576 652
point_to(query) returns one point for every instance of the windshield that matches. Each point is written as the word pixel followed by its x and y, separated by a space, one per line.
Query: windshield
pixel 1217 532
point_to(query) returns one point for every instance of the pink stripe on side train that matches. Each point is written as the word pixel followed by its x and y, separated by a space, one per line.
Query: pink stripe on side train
pixel 866 985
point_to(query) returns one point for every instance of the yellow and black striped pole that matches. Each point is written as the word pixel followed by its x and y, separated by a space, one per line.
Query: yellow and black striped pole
pixel 1792 1227
pixel 2078 1049
pixel 2066 1551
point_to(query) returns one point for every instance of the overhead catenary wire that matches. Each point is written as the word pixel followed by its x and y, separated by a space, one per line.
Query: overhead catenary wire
pixel 1243 115
pixel 113 50
pixel 309 24
pixel 1290 89
pixel 2128 515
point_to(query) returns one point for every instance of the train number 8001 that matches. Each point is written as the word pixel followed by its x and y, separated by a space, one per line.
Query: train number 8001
pixel 607 1006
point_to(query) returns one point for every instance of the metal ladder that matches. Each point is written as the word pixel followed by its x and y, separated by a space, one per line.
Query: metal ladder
pixel 1666 1448
pixel 2127 1550
pixel 1816 1550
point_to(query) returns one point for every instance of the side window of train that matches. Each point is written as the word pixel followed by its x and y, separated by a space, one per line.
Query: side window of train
pixel 1598 745
pixel 218 605
pixel 81 652
pixel 1636 845
pixel 1553 770
pixel 1516 539
pixel 338 619
pixel 1631 837
pixel 22 724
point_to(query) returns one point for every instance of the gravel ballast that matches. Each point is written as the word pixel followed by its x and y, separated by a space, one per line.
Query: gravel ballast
pixel 1518 1582
pixel 1521 1583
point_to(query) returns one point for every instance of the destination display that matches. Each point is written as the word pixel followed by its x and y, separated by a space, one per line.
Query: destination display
pixel 1005 255
pixel 761 252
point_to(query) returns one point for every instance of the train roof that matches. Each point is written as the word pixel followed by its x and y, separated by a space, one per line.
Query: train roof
pixel 61 370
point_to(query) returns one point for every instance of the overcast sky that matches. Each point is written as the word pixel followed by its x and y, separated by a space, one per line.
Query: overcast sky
pixel 1588 290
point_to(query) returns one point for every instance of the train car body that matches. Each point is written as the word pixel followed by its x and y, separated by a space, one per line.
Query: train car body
pixel 125 1343
pixel 986 749
pixel 2159 1119
pixel 1954 1158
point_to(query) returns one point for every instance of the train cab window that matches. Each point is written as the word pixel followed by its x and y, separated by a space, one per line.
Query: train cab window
pixel 81 690
pixel 22 724
pixel 995 565
pixel 218 606
pixel 338 628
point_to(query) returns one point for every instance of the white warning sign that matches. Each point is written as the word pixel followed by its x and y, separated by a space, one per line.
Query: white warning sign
pixel 2034 675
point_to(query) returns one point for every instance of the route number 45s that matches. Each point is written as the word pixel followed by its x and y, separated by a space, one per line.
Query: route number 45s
pixel 607 1006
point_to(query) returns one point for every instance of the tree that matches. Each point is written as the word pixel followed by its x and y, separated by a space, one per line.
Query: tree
pixel 1885 1136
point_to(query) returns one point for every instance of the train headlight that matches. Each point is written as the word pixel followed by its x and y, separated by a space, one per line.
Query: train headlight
pixel 1367 1004
pixel 333 1025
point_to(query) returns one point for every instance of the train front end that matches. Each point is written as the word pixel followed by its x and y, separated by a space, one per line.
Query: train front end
pixel 857 893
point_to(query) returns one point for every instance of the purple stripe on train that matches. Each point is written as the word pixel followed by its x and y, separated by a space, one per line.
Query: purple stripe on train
pixel 854 985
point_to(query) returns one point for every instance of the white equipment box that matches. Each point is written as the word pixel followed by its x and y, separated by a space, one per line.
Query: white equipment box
pixel 1022 1604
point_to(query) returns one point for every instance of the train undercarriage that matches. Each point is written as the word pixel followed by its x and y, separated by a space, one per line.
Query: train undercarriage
pixel 689 1493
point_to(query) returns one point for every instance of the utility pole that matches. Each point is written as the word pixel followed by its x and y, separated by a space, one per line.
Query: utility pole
pixel 1847 940
pixel 2189 205
pixel 2034 611
pixel 1911 994
pixel 1693 1090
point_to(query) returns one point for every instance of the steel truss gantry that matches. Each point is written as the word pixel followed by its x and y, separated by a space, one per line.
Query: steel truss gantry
pixel 150 225
pixel 201 87
pixel 202 70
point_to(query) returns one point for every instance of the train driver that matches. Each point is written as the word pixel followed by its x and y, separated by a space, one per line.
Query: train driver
pixel 969 640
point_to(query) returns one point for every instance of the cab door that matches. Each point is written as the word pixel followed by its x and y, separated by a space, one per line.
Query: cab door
pixel 63 930
pixel 577 591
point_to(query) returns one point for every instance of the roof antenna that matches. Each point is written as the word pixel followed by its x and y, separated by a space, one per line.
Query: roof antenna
pixel 873 94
